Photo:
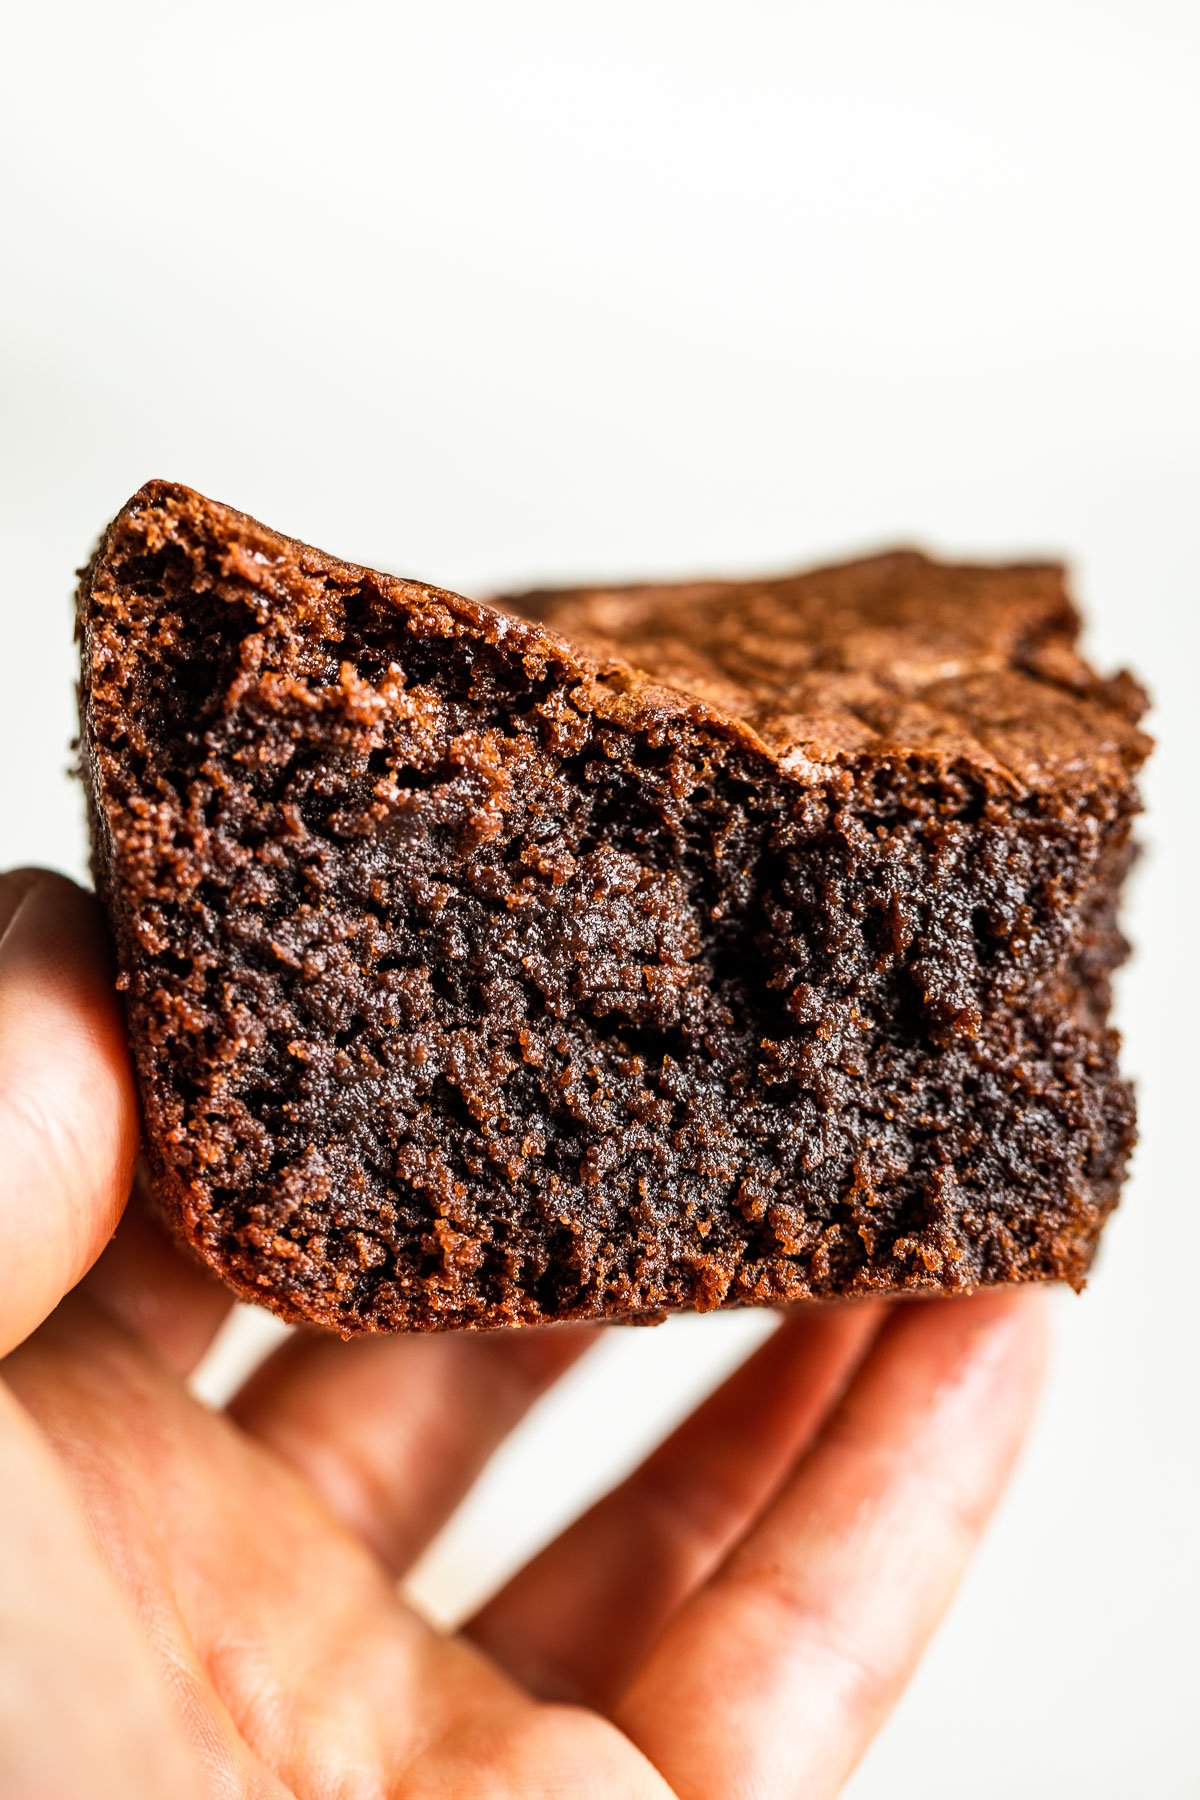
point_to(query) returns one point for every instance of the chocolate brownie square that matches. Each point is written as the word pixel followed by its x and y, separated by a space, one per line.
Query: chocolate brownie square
pixel 598 954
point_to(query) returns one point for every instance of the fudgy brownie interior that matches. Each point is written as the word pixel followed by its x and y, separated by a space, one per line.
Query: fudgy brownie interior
pixel 475 977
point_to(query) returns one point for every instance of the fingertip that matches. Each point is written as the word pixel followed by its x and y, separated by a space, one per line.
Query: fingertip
pixel 1006 1326
pixel 983 1374
pixel 1014 1327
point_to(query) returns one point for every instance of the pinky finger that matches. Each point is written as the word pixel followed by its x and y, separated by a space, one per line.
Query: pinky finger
pixel 775 1677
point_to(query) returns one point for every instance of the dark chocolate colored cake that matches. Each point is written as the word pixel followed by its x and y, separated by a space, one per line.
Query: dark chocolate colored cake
pixel 758 950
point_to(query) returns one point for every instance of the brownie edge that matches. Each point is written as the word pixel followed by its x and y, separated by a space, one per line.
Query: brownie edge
pixel 604 953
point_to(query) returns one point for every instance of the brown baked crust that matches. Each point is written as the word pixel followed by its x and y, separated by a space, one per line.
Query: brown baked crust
pixel 894 654
pixel 746 943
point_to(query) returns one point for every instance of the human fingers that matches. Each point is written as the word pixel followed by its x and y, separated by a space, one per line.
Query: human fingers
pixel 68 1112
pixel 391 1432
pixel 776 1675
pixel 579 1618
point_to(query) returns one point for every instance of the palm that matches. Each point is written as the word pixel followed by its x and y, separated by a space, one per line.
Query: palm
pixel 218 1592
pixel 303 1672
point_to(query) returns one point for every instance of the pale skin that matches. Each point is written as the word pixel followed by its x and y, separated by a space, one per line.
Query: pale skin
pixel 200 1603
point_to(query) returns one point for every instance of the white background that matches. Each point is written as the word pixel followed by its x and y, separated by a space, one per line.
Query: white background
pixel 491 293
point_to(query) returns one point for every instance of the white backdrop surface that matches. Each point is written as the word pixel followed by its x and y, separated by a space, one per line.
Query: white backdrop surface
pixel 496 294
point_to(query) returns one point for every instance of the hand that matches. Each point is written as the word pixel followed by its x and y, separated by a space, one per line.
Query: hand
pixel 198 1603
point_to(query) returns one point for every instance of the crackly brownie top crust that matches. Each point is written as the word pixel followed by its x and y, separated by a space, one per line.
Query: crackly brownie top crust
pixel 896 655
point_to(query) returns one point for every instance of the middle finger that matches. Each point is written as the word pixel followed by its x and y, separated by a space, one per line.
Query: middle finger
pixel 392 1431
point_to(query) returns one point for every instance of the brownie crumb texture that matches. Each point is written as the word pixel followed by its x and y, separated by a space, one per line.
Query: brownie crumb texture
pixel 599 954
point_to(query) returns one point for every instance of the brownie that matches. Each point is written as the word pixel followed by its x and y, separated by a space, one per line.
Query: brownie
pixel 599 954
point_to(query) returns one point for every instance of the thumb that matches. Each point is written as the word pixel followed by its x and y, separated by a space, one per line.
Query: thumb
pixel 68 1109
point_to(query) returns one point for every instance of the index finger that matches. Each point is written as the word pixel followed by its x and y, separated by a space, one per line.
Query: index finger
pixel 68 1109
